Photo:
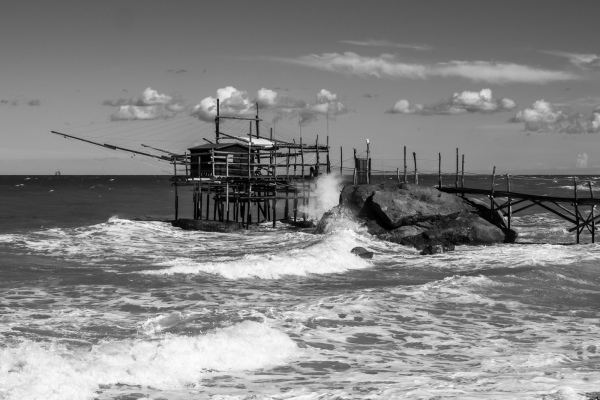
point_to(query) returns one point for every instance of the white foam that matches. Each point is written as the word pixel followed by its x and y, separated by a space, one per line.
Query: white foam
pixel 52 372
pixel 327 254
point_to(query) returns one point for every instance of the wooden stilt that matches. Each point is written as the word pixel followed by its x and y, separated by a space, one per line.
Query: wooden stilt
pixel 509 200
pixel 456 182
pixel 440 170
pixel 405 172
pixel 576 208
pixel 416 172
pixel 341 161
pixel 492 203
pixel 592 214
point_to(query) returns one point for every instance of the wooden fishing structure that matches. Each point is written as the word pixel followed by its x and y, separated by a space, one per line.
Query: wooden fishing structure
pixel 246 179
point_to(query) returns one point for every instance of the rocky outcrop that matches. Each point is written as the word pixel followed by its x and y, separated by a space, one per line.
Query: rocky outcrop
pixel 419 216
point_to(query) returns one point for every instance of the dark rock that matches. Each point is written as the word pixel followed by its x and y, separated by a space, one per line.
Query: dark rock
pixel 207 226
pixel 419 216
pixel 398 234
pixel 362 252
pixel 437 248
pixel 299 223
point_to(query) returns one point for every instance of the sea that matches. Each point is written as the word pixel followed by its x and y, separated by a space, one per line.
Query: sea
pixel 101 298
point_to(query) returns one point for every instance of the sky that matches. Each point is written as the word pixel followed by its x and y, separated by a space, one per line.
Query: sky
pixel 511 84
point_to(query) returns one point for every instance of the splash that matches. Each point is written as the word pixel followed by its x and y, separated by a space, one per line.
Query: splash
pixel 327 193
pixel 54 372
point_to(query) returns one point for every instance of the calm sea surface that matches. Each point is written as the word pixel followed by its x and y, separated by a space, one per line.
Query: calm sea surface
pixel 100 299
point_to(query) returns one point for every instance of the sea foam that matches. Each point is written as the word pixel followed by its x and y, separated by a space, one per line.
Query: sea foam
pixel 34 370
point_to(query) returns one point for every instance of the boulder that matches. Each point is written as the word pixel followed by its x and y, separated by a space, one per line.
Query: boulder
pixel 362 252
pixel 419 216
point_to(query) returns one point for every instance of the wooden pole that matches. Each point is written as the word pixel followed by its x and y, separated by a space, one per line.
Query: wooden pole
pixel 405 177
pixel 509 200
pixel 208 202
pixel 341 161
pixel 368 163
pixel 576 208
pixel 492 193
pixel 301 157
pixel 462 180
pixel 200 198
pixel 328 160
pixel 398 174
pixel 227 199
pixel 217 120
pixel 318 159
pixel 416 172
pixel 592 213
pixel 439 170
pixel 456 183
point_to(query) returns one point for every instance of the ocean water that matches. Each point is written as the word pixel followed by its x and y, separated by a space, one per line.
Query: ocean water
pixel 101 299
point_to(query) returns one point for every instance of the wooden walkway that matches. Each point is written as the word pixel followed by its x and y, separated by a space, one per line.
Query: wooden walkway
pixel 503 201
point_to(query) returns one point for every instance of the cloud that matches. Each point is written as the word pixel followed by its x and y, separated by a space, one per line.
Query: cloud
pixel 266 98
pixel 131 112
pixel 17 102
pixel 150 105
pixel 585 61
pixel 582 160
pixel 459 103
pixel 327 104
pixel 543 117
pixel 387 66
pixel 178 71
pixel 233 102
pixel 387 43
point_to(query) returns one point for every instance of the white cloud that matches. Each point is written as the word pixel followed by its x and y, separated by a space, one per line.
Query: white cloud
pixel 586 61
pixel 582 160
pixel 131 112
pixel 151 97
pixel 543 117
pixel 236 103
pixel 151 105
pixel 387 66
pixel 232 102
pixel 459 103
pixel 387 43
pixel 267 97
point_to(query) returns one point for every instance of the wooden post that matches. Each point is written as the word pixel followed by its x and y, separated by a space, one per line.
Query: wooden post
pixel 217 120
pixel 398 174
pixel 405 177
pixel 576 209
pixel 208 202
pixel 274 204
pixel 328 160
pixel 439 170
pixel 509 200
pixel 462 181
pixel 199 198
pixel 318 166
pixel 416 173
pixel 492 193
pixel 227 199
pixel 456 183
pixel 592 214
pixel 368 163
pixel 249 210
pixel 341 161
pixel 301 157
